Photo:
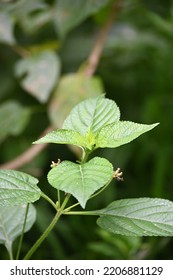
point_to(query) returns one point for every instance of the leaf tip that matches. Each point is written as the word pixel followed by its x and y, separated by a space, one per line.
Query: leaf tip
pixel 36 142
pixel 156 124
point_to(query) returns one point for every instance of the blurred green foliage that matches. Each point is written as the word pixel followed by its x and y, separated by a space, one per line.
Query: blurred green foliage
pixel 43 48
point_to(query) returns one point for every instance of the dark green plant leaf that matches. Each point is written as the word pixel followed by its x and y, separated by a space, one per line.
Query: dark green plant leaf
pixel 68 15
pixel 13 118
pixel 91 115
pixel 6 29
pixel 17 188
pixel 42 71
pixel 11 223
pixel 81 180
pixel 138 217
pixel 120 133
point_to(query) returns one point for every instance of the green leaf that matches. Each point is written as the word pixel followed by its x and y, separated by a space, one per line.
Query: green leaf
pixel 6 29
pixel 120 133
pixel 91 115
pixel 138 217
pixel 42 71
pixel 68 15
pixel 81 180
pixel 17 188
pixel 62 136
pixel 94 123
pixel 13 118
pixel 72 88
pixel 11 223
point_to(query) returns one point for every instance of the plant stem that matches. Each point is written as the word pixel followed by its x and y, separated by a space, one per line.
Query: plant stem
pixel 86 213
pixel 23 230
pixel 70 207
pixel 48 230
pixel 65 201
pixel 59 198
pixel 49 200
pixel 43 236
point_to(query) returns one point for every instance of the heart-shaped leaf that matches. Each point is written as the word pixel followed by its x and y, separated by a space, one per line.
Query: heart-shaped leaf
pixel 120 133
pixel 11 223
pixel 17 188
pixel 81 180
pixel 138 217
pixel 92 114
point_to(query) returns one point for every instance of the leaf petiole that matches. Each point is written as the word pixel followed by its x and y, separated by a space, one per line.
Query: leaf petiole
pixel 59 198
pixel 49 200
pixel 70 207
pixel 84 213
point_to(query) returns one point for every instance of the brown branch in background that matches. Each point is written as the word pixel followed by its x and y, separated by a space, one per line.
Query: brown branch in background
pixel 92 63
pixel 20 51
pixel 96 52
pixel 26 156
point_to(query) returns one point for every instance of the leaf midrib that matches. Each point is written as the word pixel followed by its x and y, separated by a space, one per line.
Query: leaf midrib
pixel 134 218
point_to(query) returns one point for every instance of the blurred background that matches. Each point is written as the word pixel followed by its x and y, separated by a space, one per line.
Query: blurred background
pixel 45 49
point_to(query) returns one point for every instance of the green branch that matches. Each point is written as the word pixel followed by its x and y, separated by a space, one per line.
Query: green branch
pixel 48 230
